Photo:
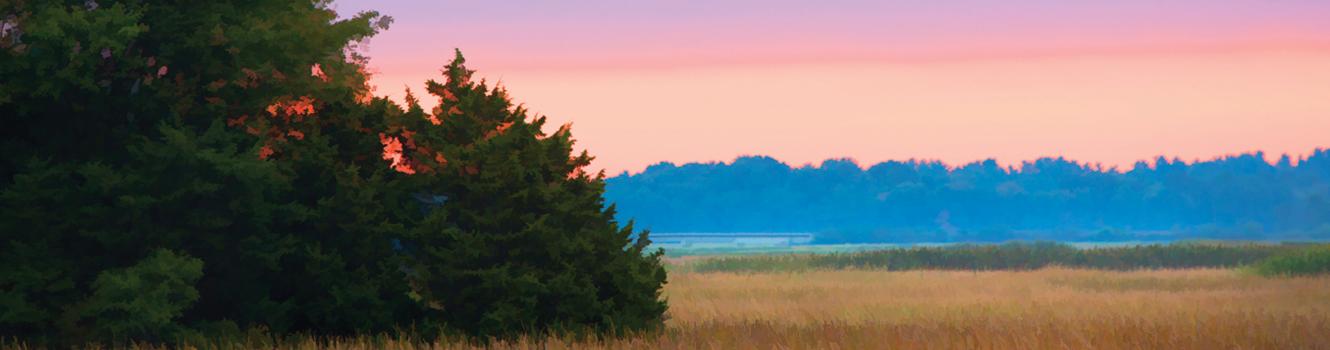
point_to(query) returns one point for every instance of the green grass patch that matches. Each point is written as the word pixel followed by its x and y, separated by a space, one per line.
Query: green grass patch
pixel 1016 256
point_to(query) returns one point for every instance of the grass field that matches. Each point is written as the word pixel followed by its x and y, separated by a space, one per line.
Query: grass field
pixel 1050 308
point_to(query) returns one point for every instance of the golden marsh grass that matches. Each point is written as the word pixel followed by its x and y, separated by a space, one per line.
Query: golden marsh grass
pixel 1051 308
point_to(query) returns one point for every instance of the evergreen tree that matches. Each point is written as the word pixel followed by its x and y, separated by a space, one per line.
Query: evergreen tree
pixel 183 169
pixel 515 235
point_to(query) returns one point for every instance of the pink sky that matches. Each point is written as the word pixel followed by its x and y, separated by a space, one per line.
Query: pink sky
pixel 1107 82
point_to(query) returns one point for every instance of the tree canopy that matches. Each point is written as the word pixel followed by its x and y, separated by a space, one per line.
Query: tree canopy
pixel 187 169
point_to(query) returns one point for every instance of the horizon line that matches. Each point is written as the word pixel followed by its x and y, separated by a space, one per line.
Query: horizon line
pixel 1097 166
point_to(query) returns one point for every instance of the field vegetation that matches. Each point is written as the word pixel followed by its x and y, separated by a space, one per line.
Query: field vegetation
pixel 1314 260
pixel 860 307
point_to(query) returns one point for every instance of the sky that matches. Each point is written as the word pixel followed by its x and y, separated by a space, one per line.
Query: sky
pixel 1097 81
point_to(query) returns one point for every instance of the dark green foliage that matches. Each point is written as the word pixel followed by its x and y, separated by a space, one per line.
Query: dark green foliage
pixel 520 240
pixel 1010 256
pixel 144 299
pixel 1312 261
pixel 127 130
pixel 154 150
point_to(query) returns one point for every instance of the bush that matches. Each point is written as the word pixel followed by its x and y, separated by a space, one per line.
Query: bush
pixel 1314 260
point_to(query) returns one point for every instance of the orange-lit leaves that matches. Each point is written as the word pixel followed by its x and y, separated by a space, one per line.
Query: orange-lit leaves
pixel 435 114
pixel 297 108
pixel 440 90
pixel 448 95
pixel 501 130
pixel 366 95
pixel 303 107
pixel 267 126
pixel 392 150
pixel 317 71
pixel 399 150
pixel 237 121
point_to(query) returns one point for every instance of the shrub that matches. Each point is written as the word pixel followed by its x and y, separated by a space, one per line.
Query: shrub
pixel 1314 260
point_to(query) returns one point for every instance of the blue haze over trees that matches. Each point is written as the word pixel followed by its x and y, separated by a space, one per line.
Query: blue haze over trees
pixel 1233 197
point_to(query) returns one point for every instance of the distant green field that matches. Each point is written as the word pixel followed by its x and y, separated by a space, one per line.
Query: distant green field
pixel 674 250
pixel 1015 255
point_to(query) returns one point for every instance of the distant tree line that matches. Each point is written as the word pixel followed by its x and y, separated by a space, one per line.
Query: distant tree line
pixel 1233 197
